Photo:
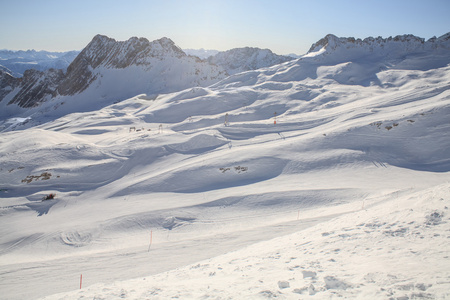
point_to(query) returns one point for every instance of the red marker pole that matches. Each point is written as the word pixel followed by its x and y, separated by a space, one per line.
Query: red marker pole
pixel 81 280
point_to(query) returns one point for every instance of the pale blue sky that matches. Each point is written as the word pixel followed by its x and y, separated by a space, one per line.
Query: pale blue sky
pixel 284 26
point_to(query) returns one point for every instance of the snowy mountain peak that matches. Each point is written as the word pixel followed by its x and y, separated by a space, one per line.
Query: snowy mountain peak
pixel 121 54
pixel 166 46
pixel 100 38
pixel 244 59
pixel 105 53
pixel 166 42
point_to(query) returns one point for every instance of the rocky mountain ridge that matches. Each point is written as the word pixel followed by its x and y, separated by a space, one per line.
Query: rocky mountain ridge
pixel 390 47
pixel 111 54
pixel 36 86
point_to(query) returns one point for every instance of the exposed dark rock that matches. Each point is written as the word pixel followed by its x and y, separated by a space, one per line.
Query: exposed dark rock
pixel 7 83
pixel 36 87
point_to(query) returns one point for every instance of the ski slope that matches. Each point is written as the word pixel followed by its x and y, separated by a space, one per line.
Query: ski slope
pixel 330 179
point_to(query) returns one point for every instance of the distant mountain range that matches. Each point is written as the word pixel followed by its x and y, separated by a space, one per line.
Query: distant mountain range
pixel 110 70
pixel 17 62
pixel 106 70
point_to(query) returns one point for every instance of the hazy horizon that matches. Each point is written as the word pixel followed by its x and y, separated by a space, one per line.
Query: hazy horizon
pixel 287 26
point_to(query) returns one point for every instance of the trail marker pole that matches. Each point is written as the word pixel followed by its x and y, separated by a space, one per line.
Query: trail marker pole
pixel 81 280
pixel 151 237
pixel 275 118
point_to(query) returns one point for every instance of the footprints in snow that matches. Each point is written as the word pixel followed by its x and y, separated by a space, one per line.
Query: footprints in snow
pixel 237 169
pixel 173 222
pixel 76 239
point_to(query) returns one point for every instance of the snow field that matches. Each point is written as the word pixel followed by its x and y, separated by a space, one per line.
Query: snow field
pixel 393 249
pixel 345 196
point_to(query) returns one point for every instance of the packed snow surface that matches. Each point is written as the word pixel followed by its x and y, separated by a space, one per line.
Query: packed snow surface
pixel 316 178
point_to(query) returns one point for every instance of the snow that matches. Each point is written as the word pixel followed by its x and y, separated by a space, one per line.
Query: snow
pixel 367 253
pixel 315 53
pixel 347 195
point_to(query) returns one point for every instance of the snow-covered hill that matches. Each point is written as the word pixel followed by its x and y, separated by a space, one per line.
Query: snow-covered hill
pixel 245 59
pixel 326 176
pixel 17 62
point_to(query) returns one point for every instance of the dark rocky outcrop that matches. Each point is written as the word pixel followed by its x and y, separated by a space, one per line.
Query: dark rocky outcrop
pixel 7 83
pixel 37 86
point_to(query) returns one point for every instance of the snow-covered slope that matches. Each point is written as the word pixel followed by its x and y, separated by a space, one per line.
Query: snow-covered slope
pixel 245 59
pixel 20 61
pixel 396 249
pixel 329 178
